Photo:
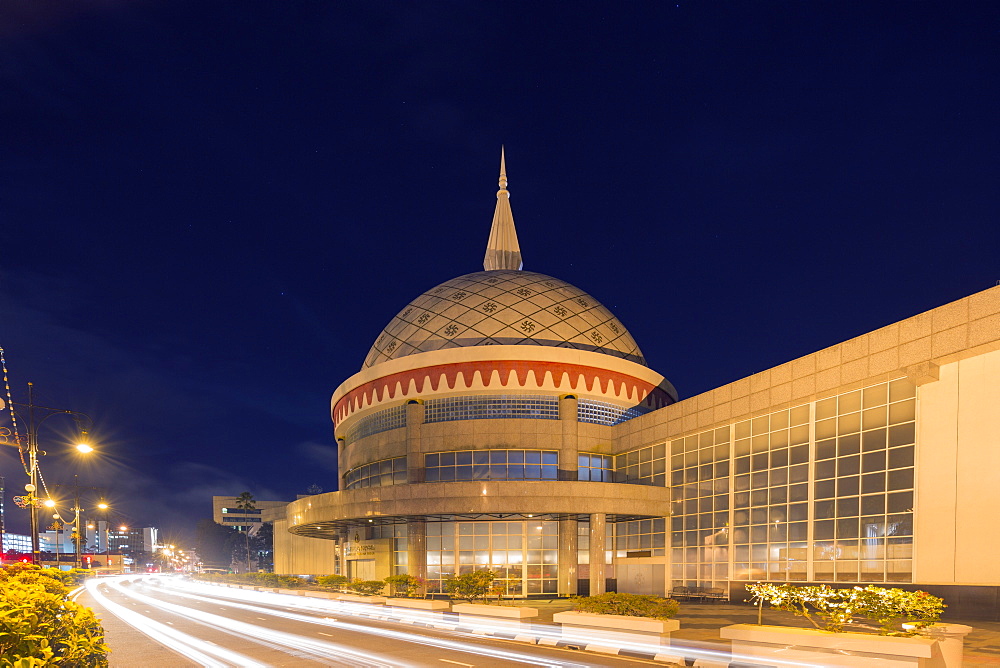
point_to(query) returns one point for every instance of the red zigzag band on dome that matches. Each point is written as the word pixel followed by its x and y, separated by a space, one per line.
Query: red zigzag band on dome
pixel 607 382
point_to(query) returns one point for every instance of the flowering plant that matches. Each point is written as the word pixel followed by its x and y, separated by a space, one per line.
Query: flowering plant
pixel 871 608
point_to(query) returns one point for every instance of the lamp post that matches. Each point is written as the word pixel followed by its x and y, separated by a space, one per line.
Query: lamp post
pixel 33 453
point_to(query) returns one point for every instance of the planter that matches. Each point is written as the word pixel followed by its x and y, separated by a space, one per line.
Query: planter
pixel 616 628
pixel 291 592
pixel 320 594
pixel 761 643
pixel 508 618
pixel 951 640
pixel 418 603
pixel 358 598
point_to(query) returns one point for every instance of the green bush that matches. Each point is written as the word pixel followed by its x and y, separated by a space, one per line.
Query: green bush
pixel 404 584
pixel 472 587
pixel 291 581
pixel 367 587
pixel 332 581
pixel 30 574
pixel 70 578
pixel 630 605
pixel 885 610
pixel 40 627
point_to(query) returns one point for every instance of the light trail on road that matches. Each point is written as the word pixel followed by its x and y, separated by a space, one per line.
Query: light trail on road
pixel 551 633
pixel 184 644
pixel 300 616
pixel 441 643
pixel 296 644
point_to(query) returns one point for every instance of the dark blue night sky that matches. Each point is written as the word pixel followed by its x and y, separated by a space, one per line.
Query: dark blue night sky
pixel 209 210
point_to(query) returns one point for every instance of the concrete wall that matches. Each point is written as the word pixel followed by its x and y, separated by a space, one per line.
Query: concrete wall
pixel 958 474
pixel 297 555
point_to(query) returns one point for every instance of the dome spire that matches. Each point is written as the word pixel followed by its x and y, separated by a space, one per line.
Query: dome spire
pixel 502 250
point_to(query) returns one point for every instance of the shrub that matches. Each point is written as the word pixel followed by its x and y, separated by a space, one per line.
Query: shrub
pixel 290 581
pixel 885 610
pixel 31 574
pixel 70 578
pixel 630 605
pixel 39 626
pixel 404 584
pixel 368 587
pixel 472 587
pixel 332 581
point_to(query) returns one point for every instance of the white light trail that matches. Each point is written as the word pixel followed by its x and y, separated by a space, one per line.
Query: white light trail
pixel 295 644
pixel 186 645
pixel 430 641
pixel 550 632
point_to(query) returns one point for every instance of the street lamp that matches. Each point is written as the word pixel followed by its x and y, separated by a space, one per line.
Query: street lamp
pixel 33 453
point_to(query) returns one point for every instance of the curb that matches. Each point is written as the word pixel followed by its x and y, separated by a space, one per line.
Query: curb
pixel 532 639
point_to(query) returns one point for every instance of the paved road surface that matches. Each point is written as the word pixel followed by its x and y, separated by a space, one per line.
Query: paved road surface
pixel 154 621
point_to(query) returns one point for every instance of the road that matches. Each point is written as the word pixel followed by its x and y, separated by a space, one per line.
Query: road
pixel 156 620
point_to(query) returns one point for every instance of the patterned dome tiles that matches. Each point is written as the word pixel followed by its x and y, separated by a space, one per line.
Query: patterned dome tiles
pixel 503 307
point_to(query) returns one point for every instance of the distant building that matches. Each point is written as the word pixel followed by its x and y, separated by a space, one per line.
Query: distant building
pixel 17 542
pixel 104 537
pixel 225 512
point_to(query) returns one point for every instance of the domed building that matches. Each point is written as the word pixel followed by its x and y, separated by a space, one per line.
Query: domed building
pixel 507 420
pixel 478 433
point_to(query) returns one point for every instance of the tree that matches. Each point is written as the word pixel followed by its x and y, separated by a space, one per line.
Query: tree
pixel 245 502
pixel 262 547
pixel 214 542
pixel 472 587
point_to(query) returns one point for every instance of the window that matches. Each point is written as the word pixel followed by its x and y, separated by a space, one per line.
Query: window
pixel 531 407
pixel 377 474
pixel 492 465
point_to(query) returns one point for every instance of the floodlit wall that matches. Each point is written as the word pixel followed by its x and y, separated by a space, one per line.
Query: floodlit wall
pixel 297 555
pixel 958 479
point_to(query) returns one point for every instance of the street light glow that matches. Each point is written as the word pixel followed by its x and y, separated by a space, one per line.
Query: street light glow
pixel 84 448
pixel 102 505
pixel 49 503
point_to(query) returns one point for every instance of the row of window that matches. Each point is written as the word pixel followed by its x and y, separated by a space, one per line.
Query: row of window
pixel 491 408
pixel 491 465
pixel 377 474
pixel 528 407
pixel 601 412
pixel 383 420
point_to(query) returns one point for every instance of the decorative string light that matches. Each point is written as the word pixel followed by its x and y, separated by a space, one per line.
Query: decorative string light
pixel 10 402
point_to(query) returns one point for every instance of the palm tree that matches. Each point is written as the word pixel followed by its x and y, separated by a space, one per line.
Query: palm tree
pixel 245 502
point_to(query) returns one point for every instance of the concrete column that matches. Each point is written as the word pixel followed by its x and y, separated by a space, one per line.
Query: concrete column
pixel 416 549
pixel 568 567
pixel 414 449
pixel 598 527
pixel 341 469
pixel 342 539
pixel 569 448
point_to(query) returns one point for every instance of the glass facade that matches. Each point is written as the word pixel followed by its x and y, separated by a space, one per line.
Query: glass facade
pixel 645 466
pixel 863 485
pixel 641 538
pixel 377 474
pixel 526 406
pixel 491 465
pixel 819 492
pixel 595 468
pixel 601 412
pixel 524 554
pixel 383 420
